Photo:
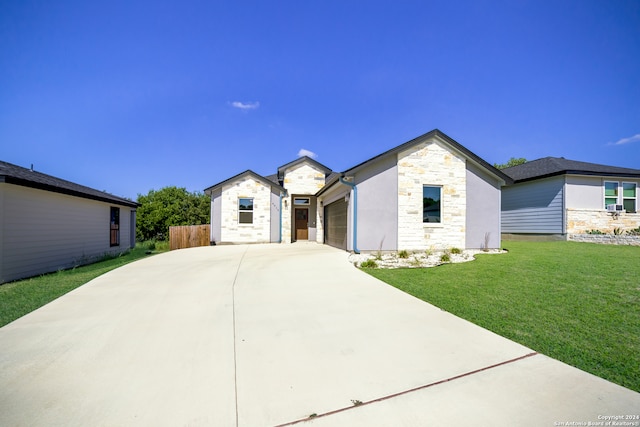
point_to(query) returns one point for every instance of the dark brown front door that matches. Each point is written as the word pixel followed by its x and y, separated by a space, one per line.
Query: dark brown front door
pixel 302 224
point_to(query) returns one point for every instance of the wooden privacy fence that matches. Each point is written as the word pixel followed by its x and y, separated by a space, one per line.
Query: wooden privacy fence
pixel 188 236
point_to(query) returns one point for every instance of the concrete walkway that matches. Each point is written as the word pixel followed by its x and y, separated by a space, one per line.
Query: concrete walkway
pixel 266 335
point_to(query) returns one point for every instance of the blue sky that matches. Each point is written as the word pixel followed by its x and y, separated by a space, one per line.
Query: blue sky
pixel 130 96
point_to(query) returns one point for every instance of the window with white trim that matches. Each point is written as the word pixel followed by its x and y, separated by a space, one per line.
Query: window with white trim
pixel 245 210
pixel 629 196
pixel 431 204
pixel 610 193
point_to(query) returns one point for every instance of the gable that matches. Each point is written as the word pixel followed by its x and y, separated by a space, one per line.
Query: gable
pixel 215 189
pixel 303 178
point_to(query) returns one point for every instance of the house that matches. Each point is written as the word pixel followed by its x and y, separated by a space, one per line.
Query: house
pixel 430 192
pixel 560 197
pixel 47 223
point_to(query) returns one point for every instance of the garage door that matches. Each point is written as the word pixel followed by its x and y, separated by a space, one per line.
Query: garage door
pixel 335 224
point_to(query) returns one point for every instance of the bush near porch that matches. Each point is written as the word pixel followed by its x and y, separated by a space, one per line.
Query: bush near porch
pixel 575 302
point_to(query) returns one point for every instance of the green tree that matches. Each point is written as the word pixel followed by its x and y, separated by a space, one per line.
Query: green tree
pixel 512 162
pixel 169 206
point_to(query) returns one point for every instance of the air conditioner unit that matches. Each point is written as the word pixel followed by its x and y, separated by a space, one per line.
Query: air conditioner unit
pixel 615 208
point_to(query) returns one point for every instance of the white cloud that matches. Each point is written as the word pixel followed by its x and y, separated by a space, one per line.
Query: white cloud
pixel 307 153
pixel 245 105
pixel 634 138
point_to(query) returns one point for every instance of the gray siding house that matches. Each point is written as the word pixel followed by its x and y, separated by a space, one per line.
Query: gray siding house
pixel 560 197
pixel 47 223
pixel 430 192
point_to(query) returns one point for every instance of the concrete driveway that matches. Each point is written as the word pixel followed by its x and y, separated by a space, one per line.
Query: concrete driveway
pixel 266 335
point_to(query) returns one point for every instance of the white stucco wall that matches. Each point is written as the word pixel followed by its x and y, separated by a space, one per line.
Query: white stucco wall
pixel 431 163
pixel 584 192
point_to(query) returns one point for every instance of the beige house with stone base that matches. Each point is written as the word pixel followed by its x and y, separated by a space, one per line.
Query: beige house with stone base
pixel 430 192
pixel 563 198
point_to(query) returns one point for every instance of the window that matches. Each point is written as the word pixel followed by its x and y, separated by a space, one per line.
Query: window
pixel 629 196
pixel 114 225
pixel 301 201
pixel 245 210
pixel 431 203
pixel 610 193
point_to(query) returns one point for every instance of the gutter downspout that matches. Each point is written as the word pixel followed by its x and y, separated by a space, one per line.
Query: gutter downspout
pixel 280 228
pixel 355 213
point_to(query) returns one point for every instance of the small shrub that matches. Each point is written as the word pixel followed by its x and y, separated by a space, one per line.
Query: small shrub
pixel 456 251
pixel 594 232
pixel 403 254
pixel 369 264
pixel 415 262
pixel 617 231
pixel 634 232
pixel 445 257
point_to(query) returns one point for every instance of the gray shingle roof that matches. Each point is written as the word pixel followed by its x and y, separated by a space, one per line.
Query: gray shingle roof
pixel 18 175
pixel 552 166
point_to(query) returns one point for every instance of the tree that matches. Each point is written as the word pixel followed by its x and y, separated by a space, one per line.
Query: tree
pixel 169 206
pixel 512 162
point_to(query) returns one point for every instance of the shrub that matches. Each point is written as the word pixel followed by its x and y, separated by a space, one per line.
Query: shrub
pixel 403 254
pixel 368 264
pixel 445 257
pixel 456 251
pixel 594 232
pixel 634 232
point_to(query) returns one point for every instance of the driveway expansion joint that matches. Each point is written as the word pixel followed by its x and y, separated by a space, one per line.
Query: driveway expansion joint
pixel 422 387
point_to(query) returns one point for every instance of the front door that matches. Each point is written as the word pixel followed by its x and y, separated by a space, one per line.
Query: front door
pixel 302 224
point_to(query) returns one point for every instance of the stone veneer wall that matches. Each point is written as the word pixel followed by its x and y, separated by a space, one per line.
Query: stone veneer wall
pixel 431 164
pixel 607 239
pixel 259 231
pixel 579 221
pixel 302 179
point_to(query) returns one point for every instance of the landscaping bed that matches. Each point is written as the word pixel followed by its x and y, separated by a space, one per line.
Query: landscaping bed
pixel 417 259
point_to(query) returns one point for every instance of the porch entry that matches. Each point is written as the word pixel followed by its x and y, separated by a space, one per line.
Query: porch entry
pixel 302 223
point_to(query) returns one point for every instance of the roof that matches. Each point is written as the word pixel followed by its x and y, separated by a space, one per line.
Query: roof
pixel 303 159
pixel 553 166
pixel 17 175
pixel 250 173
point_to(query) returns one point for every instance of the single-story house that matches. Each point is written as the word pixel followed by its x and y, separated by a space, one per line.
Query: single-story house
pixel 430 192
pixel 47 223
pixel 560 197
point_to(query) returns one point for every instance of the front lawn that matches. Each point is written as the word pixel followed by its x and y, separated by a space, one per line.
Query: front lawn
pixel 575 302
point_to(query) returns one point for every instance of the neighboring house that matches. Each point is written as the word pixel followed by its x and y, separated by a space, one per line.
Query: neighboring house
pixel 430 192
pixel 47 223
pixel 557 196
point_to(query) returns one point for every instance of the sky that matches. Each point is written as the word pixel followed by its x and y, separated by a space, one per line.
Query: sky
pixel 130 96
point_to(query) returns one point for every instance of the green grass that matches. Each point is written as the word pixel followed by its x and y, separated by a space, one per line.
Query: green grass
pixel 575 302
pixel 23 296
